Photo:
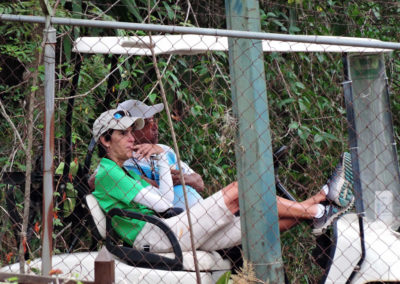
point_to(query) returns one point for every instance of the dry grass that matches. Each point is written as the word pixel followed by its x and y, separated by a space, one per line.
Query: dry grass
pixel 246 274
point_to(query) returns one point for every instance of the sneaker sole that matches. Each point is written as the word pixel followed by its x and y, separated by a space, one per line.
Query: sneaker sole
pixel 346 192
pixel 321 230
pixel 348 167
pixel 348 176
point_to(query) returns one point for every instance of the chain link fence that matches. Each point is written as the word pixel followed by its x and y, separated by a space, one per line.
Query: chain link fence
pixel 310 125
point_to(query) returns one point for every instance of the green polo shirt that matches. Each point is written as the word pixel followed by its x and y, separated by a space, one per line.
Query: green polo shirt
pixel 115 189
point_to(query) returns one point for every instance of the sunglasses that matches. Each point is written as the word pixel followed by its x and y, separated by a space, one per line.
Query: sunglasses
pixel 120 114
pixel 117 116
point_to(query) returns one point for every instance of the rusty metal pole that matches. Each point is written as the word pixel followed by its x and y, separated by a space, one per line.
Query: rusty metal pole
pixel 48 149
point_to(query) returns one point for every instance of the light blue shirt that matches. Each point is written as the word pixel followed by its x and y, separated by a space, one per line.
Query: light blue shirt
pixel 150 169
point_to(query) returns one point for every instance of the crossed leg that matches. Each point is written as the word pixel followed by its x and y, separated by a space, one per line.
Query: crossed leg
pixel 289 212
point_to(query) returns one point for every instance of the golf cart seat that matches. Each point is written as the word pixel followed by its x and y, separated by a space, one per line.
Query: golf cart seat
pixel 177 261
pixel 132 265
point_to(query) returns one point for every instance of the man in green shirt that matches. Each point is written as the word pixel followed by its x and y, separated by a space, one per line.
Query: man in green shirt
pixel 214 223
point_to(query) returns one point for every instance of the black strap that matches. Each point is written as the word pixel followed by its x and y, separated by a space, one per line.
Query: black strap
pixel 139 168
pixel 152 166
pixel 127 173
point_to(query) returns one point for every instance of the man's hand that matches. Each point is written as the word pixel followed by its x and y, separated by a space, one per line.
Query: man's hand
pixel 91 181
pixel 194 180
pixel 146 150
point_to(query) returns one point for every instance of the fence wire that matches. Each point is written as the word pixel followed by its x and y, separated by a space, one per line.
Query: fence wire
pixel 309 127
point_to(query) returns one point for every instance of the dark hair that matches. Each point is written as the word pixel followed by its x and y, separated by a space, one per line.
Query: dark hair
pixel 100 147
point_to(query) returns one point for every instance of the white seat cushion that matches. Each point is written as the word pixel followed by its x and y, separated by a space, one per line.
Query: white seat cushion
pixel 208 261
pixel 97 214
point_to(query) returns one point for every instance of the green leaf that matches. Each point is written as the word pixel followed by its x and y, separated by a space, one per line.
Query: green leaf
pixel 60 168
pixel 68 206
pixel 196 110
pixel 303 105
pixel 224 279
pixel 152 97
pixel 12 279
pixel 294 29
pixel 321 57
pixel 35 270
pixel 67 45
pixel 300 85
pixel 330 136
pixel 285 102
pixel 303 132
pixel 318 138
pixel 133 8
pixel 278 23
pixel 170 12
pixel 376 13
pixel 57 222
pixel 123 85
pixel 70 190
pixel 293 125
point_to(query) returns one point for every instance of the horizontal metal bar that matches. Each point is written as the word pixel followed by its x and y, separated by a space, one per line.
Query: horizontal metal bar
pixel 204 31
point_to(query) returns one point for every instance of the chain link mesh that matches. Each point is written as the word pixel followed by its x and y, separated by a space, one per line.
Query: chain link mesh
pixel 307 114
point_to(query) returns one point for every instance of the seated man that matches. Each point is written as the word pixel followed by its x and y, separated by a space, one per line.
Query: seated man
pixel 215 224
pixel 148 168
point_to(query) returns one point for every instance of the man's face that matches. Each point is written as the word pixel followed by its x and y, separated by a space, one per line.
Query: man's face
pixel 149 133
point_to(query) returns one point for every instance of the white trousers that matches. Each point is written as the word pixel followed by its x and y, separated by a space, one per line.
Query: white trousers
pixel 214 227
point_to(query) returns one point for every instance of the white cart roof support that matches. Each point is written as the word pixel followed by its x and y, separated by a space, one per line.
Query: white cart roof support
pixel 193 44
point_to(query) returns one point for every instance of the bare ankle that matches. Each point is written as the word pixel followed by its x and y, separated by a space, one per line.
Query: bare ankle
pixel 230 194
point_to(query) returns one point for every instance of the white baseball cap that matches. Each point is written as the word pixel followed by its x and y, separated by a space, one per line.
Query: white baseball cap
pixel 115 119
pixel 139 109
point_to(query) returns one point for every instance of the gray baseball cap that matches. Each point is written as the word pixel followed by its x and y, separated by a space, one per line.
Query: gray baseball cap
pixel 115 119
pixel 139 109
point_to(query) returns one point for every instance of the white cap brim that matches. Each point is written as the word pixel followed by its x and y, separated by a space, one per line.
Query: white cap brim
pixel 106 121
pixel 139 109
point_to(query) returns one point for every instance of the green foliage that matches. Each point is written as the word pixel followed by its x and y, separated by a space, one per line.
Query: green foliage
pixel 12 280
pixel 224 279
pixel 15 33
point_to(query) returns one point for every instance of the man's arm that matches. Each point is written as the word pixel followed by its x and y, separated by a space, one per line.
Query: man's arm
pixel 93 177
pixel 91 180
pixel 194 180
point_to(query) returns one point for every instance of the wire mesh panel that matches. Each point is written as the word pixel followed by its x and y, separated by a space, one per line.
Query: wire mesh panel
pixel 152 81
pixel 371 97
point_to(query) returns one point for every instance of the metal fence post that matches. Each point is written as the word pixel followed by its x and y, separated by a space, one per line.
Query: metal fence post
pixel 253 147
pixel 48 135
pixel 104 268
